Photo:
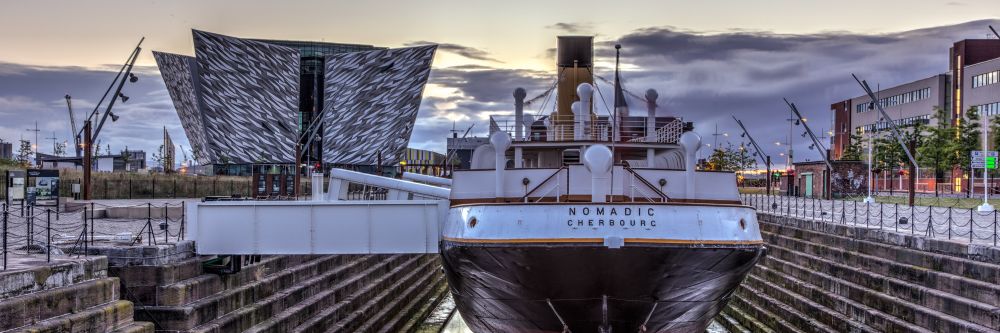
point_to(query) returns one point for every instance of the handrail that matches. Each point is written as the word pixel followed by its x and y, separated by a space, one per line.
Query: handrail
pixel 526 194
pixel 647 183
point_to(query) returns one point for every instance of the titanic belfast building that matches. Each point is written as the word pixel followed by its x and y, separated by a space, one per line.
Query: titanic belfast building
pixel 245 102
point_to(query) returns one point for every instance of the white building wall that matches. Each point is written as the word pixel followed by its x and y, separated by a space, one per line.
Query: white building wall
pixel 936 89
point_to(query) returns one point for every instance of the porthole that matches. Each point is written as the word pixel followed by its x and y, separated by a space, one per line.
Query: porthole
pixel 472 222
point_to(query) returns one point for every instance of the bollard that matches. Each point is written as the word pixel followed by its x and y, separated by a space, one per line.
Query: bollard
pixel 48 235
pixel 895 216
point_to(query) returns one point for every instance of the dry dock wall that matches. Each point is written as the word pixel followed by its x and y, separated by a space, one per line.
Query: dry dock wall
pixel 825 277
pixel 336 293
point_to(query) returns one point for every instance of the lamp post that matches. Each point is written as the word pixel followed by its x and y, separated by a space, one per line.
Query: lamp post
pixel 985 207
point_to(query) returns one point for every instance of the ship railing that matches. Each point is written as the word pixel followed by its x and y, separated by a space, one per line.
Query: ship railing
pixel 593 128
pixel 554 175
pixel 651 197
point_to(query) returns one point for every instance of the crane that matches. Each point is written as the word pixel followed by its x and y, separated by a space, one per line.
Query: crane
pixel 72 123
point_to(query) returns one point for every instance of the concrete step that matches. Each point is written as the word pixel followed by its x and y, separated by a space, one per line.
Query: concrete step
pixel 49 276
pixel 385 291
pixel 38 306
pixel 735 320
pixel 960 286
pixel 143 281
pixel 103 318
pixel 214 306
pixel 977 270
pixel 351 294
pixel 733 326
pixel 769 311
pixel 889 305
pixel 420 306
pixel 915 303
pixel 850 311
pixel 145 290
pixel 293 304
pixel 410 303
pixel 137 327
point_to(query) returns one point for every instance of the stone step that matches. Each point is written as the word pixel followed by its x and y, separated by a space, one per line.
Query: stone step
pixel 850 311
pixel 393 316
pixel 295 303
pixel 351 294
pixel 54 275
pixel 143 281
pixel 385 290
pixel 977 270
pixel 945 282
pixel 889 305
pixel 38 306
pixel 733 326
pixel 214 306
pixel 777 315
pixel 103 318
pixel 735 320
pixel 137 327
pixel 420 306
pixel 897 296
pixel 194 288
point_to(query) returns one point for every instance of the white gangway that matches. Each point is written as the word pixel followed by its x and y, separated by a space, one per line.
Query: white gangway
pixel 408 221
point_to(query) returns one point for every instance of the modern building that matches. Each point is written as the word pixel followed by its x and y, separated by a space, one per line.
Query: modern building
pixel 460 149
pixel 971 81
pixel 244 102
pixel 6 151
pixel 423 162
pixel 962 54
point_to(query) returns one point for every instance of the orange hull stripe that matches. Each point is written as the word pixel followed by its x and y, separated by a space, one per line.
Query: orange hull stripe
pixel 601 240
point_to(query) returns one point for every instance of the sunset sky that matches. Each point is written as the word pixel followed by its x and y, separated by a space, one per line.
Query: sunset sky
pixel 707 59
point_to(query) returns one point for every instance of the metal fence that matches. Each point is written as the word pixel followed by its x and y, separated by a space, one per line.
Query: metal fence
pixel 28 230
pixel 111 188
pixel 958 224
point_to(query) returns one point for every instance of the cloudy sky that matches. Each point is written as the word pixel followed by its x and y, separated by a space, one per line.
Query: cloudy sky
pixel 707 59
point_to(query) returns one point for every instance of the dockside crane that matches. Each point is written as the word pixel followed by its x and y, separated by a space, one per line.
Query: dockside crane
pixel 72 124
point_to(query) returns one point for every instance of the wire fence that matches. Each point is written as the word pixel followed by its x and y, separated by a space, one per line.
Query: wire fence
pixel 31 230
pixel 952 223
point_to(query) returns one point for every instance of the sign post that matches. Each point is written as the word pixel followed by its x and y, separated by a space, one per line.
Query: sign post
pixel 985 160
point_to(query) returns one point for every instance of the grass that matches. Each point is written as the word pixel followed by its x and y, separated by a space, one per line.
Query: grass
pixel 933 201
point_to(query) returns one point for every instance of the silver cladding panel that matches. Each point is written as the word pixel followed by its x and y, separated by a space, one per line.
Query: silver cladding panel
pixel 249 96
pixel 375 96
pixel 178 73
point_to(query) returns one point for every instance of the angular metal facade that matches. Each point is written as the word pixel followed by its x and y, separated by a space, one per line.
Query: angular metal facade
pixel 178 73
pixel 238 100
pixel 250 98
pixel 371 103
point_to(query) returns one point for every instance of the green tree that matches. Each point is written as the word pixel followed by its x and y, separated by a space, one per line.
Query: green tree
pixel 730 159
pixel 24 153
pixel 935 150
pixel 126 158
pixel 853 150
pixel 969 132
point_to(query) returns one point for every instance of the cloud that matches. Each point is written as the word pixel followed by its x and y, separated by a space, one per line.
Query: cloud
pixel 465 51
pixel 573 28
pixel 30 94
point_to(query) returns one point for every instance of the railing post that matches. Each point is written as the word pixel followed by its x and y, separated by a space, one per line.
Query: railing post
pixel 166 224
pixel 86 247
pixel 91 223
pixel 994 228
pixel 971 223
pixel 181 230
pixel 6 215
pixel 913 221
pixel 48 235
pixel 880 215
pixel 149 223
pixel 949 222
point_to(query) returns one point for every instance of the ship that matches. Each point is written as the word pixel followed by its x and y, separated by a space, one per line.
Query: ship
pixel 574 221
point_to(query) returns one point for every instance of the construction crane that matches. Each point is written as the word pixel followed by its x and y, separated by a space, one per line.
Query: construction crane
pixel 72 124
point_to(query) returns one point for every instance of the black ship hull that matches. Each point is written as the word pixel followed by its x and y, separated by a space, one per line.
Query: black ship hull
pixel 540 287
